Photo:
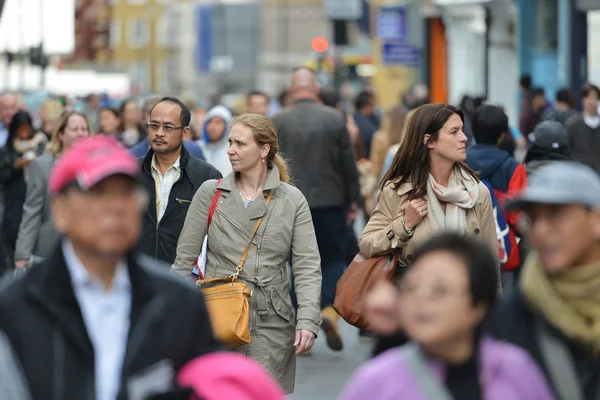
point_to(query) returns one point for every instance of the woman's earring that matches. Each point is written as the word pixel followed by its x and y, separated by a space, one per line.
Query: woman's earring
pixel 263 160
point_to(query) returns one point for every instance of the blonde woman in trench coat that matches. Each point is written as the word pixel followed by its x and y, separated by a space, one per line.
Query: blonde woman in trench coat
pixel 276 336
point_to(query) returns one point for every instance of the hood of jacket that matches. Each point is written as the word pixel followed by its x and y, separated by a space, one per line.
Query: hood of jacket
pixel 220 112
pixel 486 159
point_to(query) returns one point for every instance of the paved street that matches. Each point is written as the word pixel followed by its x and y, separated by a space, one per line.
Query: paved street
pixel 322 376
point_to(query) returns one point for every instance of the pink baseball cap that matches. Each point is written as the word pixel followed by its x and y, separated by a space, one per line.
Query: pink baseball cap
pixel 231 376
pixel 91 160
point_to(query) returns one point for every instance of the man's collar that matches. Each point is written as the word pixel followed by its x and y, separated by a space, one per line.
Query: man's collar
pixel 79 275
pixel 176 164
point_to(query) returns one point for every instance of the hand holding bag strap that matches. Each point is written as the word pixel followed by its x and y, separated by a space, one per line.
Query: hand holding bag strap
pixel 239 267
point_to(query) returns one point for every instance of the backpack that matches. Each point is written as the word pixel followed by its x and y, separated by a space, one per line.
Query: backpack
pixel 502 230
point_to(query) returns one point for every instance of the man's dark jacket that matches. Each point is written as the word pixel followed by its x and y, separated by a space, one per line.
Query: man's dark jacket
pixel 316 143
pixel 41 317
pixel 159 239
pixel 514 321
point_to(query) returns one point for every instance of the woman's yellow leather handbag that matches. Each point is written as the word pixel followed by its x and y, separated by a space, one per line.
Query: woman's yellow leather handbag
pixel 228 304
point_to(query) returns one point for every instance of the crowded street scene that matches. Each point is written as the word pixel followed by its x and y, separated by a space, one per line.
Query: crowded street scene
pixel 299 200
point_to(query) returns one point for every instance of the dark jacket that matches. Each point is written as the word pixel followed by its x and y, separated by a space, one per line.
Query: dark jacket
pixel 584 142
pixel 159 240
pixel 15 188
pixel 317 145
pixel 506 176
pixel 40 315
pixel 513 321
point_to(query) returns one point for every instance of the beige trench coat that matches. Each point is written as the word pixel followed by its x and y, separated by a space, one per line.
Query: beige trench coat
pixel 287 229
pixel 384 230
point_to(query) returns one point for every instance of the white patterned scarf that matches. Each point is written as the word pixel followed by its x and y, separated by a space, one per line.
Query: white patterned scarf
pixel 461 194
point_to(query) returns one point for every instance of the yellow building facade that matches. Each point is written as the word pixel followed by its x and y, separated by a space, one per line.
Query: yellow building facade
pixel 139 42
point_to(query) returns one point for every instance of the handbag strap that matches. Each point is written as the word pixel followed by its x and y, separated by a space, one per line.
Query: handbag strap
pixel 430 384
pixel 213 206
pixel 559 362
pixel 239 267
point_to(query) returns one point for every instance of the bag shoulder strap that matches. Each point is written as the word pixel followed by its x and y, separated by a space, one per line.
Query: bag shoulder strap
pixel 559 363
pixel 239 267
pixel 432 387
pixel 213 205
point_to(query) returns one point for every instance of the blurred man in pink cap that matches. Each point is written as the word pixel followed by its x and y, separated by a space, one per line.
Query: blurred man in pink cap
pixel 223 376
pixel 94 321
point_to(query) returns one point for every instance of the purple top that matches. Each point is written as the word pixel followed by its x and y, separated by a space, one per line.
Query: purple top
pixel 507 373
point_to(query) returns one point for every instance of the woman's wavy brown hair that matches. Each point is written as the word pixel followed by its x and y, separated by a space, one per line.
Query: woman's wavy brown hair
pixel 265 133
pixel 411 163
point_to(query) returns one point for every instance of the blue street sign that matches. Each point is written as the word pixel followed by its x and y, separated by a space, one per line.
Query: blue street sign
pixel 392 23
pixel 400 54
pixel 204 43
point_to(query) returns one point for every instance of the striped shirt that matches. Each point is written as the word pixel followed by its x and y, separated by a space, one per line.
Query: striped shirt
pixel 163 185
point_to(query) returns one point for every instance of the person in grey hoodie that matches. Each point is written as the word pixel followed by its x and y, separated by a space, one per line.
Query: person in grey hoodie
pixel 214 141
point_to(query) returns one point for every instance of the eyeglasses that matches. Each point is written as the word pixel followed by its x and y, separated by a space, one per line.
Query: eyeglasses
pixel 154 127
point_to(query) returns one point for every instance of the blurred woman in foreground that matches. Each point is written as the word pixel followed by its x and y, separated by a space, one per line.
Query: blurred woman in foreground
pixel 442 303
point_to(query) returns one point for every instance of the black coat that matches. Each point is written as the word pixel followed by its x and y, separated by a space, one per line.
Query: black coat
pixel 41 317
pixel 159 240
pixel 513 321
pixel 14 188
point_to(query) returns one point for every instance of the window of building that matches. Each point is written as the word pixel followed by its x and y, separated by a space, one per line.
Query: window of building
pixel 115 32
pixel 139 32
pixel 546 25
pixel 162 31
pixel 139 73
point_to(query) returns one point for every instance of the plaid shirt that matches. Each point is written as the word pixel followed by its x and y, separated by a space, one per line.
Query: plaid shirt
pixel 163 185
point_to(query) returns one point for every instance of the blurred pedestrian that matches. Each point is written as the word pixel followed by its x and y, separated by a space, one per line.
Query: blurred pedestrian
pixel 320 154
pixel 22 147
pixel 365 118
pixel 257 102
pixel 554 314
pixel 442 303
pixel 215 132
pixel 583 130
pixel 94 321
pixel 38 237
pixel 50 113
pixel 563 109
pixel 390 133
pixel 505 175
pixel 230 376
pixel 131 130
pixel 532 115
pixel 110 121
pixel 10 104
pixel 170 177
pixel 549 144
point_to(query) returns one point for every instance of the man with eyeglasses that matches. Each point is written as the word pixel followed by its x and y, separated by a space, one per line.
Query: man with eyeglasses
pixel 170 176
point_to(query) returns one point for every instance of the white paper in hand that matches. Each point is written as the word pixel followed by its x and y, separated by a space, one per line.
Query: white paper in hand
pixel 200 268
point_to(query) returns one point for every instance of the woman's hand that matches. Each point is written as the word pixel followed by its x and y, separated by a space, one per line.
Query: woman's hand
pixel 380 308
pixel 414 212
pixel 304 340
pixel 22 163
